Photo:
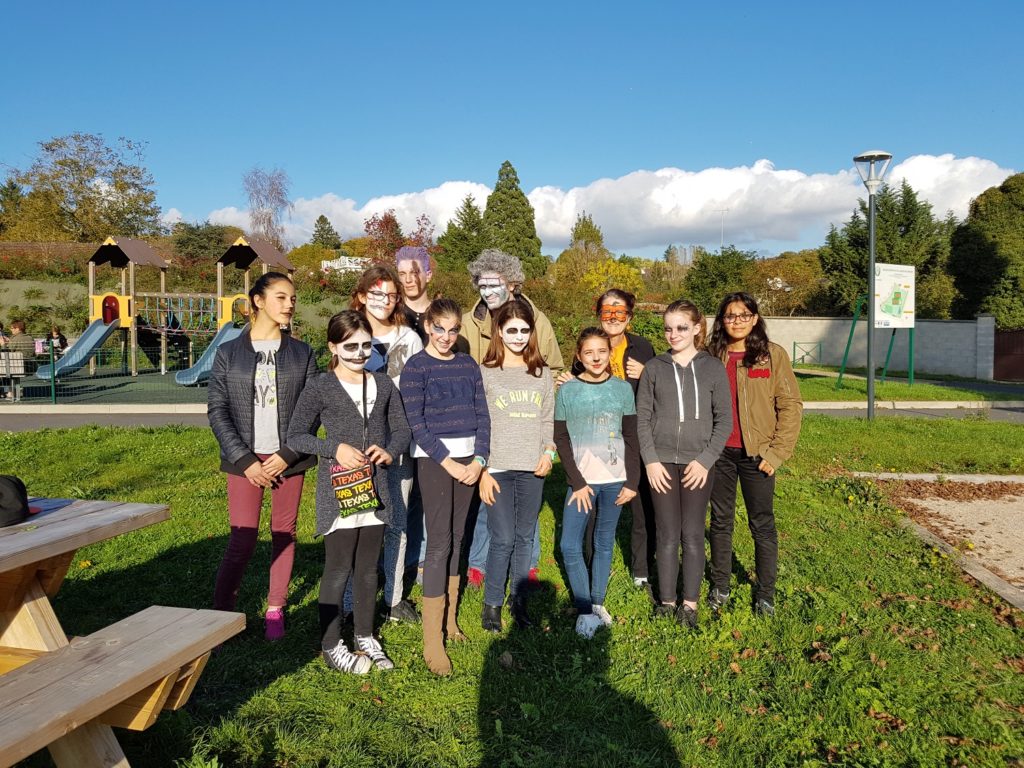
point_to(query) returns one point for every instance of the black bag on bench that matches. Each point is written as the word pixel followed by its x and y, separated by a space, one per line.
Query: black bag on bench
pixel 13 500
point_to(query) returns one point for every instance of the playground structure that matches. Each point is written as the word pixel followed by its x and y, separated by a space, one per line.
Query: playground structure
pixel 170 319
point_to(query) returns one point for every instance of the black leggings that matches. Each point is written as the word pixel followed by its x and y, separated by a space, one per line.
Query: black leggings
pixel 350 552
pixel 446 504
pixel 680 513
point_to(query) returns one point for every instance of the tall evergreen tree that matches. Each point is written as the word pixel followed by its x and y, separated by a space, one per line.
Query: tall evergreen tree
pixel 325 235
pixel 906 232
pixel 464 237
pixel 987 259
pixel 509 222
pixel 713 275
pixel 586 231
pixel 11 196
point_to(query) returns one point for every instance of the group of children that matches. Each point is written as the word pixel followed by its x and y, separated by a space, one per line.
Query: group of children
pixel 413 421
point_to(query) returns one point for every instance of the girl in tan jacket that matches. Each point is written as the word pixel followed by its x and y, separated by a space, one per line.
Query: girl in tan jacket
pixel 766 424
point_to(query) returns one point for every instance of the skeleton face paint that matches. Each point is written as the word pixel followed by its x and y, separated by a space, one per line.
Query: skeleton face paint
pixel 354 351
pixel 493 289
pixel 516 335
pixel 381 300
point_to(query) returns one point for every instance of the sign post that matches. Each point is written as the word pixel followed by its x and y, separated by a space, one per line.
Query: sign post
pixel 894 307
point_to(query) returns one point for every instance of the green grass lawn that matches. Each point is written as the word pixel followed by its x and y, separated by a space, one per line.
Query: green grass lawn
pixel 881 653
pixel 823 388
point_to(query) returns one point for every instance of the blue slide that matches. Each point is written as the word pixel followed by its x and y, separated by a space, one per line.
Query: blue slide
pixel 200 372
pixel 78 354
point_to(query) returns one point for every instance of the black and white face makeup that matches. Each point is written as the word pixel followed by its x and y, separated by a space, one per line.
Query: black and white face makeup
pixel 493 289
pixel 515 334
pixel 354 351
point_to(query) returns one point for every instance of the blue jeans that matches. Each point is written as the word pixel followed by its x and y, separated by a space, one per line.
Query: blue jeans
pixel 511 522
pixel 481 542
pixel 588 590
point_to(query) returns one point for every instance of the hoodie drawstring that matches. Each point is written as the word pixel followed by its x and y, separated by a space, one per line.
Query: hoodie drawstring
pixel 679 391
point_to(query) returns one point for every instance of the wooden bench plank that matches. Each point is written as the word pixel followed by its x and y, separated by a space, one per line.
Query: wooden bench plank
pixel 138 712
pixel 77 525
pixel 52 696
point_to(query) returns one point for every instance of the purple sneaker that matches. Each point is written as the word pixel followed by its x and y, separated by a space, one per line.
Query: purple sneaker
pixel 274 623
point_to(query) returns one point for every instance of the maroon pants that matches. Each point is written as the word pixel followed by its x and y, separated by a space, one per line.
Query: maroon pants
pixel 244 502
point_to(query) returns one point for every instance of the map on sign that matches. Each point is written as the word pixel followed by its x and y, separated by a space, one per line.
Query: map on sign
pixel 894 296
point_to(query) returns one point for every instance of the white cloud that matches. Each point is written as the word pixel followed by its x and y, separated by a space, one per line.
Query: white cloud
pixel 171 217
pixel 650 209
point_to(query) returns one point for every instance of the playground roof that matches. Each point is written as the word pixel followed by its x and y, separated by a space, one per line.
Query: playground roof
pixel 118 252
pixel 244 251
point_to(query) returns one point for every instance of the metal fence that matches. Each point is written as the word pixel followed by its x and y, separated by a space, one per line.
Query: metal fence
pixel 107 378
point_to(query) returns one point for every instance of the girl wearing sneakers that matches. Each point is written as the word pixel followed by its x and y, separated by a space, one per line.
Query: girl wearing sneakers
pixel 378 298
pixel 364 421
pixel 521 402
pixel 447 411
pixel 683 420
pixel 254 385
pixel 766 412
pixel 595 430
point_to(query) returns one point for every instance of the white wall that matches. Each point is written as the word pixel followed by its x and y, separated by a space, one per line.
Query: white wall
pixel 956 347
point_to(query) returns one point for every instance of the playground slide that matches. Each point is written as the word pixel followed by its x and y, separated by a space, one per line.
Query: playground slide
pixel 200 372
pixel 78 354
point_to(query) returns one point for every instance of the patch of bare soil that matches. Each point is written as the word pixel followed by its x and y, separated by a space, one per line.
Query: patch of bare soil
pixel 984 521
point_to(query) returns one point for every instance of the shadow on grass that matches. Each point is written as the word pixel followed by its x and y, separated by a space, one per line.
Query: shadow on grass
pixel 245 665
pixel 546 700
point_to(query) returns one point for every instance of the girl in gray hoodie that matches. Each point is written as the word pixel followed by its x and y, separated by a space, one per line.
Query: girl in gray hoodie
pixel 684 417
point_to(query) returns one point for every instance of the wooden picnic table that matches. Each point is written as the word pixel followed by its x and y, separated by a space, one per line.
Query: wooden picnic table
pixel 67 695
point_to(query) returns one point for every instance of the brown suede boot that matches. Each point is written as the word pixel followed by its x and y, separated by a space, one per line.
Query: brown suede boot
pixel 433 642
pixel 451 625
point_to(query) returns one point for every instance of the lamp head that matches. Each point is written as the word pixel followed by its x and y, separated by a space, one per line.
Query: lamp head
pixel 871 166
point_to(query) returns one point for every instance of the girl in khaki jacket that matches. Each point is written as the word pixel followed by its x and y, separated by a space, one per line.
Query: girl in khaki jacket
pixel 766 424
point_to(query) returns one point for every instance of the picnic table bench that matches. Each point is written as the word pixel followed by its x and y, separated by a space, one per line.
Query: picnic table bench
pixel 67 694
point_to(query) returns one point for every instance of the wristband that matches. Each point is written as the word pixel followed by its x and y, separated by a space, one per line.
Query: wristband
pixel 551 454
pixel 480 460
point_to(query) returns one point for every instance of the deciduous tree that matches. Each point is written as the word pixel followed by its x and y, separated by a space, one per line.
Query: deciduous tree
pixel 712 275
pixel 80 189
pixel 196 244
pixel 385 235
pixel 268 202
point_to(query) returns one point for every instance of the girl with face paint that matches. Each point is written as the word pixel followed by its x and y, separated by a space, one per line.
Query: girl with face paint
pixel 341 400
pixel 447 410
pixel 254 387
pixel 378 297
pixel 521 403
pixel 683 419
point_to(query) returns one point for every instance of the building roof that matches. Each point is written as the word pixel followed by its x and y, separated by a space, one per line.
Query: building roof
pixel 119 251
pixel 244 251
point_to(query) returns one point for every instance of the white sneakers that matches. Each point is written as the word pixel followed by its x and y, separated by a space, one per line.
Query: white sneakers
pixel 587 624
pixel 342 659
pixel 372 648
pixel 602 613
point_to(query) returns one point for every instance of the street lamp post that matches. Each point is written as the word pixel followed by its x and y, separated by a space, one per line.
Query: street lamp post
pixel 872 166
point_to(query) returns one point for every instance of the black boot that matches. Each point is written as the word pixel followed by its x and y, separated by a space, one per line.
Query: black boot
pixel 490 618
pixel 519 615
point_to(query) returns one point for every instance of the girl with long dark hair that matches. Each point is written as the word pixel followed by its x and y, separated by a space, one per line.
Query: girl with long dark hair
pixel 254 386
pixel 365 426
pixel 767 410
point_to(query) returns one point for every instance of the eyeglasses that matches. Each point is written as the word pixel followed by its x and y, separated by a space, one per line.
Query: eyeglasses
pixel 390 298
pixel 746 317
pixel 437 330
pixel 355 346
pixel 614 313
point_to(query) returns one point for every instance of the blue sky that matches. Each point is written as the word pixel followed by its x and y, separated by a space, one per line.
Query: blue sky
pixel 652 116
